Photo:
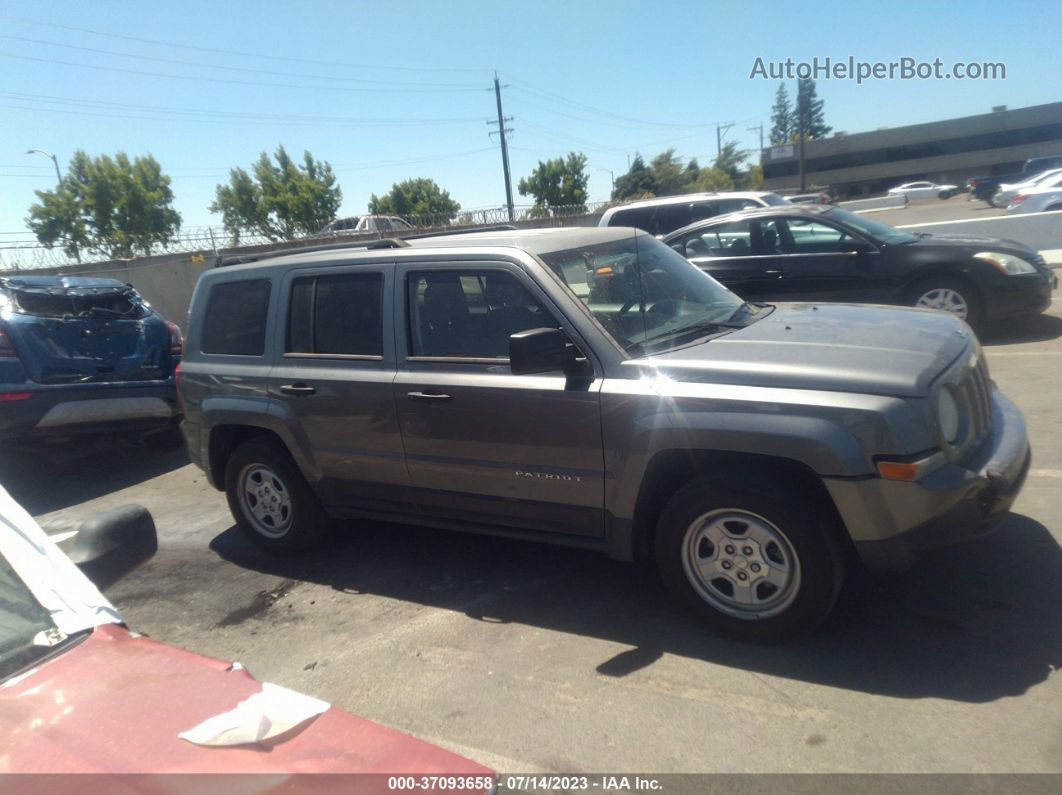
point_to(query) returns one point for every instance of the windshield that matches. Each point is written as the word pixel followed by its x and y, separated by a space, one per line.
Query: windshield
pixel 874 229
pixel 773 199
pixel 643 293
pixel 22 620
pixel 118 302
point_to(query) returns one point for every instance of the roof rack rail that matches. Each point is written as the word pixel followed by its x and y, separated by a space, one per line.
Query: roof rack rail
pixel 359 245
pixel 468 230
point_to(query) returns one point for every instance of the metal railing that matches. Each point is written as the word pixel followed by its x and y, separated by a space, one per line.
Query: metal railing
pixel 25 253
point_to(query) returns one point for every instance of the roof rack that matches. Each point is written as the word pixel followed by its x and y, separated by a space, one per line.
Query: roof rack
pixel 466 230
pixel 360 245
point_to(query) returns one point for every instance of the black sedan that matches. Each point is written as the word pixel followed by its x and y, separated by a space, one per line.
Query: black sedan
pixel 829 254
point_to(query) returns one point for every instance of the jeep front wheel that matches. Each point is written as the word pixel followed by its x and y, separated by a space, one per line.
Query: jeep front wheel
pixel 271 501
pixel 753 561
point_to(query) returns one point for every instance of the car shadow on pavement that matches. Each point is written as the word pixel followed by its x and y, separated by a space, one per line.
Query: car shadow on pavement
pixel 1036 328
pixel 48 478
pixel 975 624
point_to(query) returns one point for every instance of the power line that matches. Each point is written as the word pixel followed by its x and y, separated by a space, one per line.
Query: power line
pixel 272 57
pixel 216 116
pixel 244 69
pixel 201 79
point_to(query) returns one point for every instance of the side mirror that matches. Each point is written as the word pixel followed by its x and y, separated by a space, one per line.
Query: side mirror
pixel 540 350
pixel 858 247
pixel 110 545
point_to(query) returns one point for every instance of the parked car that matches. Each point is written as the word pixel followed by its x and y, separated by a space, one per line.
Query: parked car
pixel 81 355
pixel 830 254
pixel 985 187
pixel 1007 192
pixel 80 693
pixel 592 388
pixel 809 198
pixel 1036 200
pixel 924 190
pixel 660 216
pixel 365 225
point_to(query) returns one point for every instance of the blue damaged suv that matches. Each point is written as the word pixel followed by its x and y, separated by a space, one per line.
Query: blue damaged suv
pixel 84 356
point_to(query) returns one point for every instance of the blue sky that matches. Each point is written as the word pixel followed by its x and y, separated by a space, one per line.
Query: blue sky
pixel 388 91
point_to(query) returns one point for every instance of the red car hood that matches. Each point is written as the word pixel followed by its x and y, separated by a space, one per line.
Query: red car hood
pixel 116 702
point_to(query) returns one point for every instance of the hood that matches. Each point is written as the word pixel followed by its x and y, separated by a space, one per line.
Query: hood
pixel 972 243
pixel 835 347
pixel 116 702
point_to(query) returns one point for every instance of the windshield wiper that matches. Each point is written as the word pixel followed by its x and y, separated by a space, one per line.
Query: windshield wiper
pixel 707 327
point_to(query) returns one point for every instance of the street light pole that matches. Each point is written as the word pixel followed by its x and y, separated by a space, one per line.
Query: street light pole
pixel 55 161
pixel 59 183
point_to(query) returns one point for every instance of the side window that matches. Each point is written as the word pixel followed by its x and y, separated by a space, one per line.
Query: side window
pixel 724 240
pixel 383 224
pixel 772 236
pixel 400 224
pixel 670 217
pixel 639 218
pixel 812 237
pixel 469 313
pixel 235 318
pixel 341 314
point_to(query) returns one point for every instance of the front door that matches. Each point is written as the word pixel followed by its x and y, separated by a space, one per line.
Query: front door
pixel 810 260
pixel 482 445
pixel 728 253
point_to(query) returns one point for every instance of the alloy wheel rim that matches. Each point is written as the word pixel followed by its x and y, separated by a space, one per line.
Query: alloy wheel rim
pixel 741 564
pixel 944 299
pixel 265 501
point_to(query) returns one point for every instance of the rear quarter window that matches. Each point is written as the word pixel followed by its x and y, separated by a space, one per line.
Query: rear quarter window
pixel 235 318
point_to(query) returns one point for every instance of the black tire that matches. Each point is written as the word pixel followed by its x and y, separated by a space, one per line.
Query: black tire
pixel 974 307
pixel 169 439
pixel 1053 208
pixel 945 194
pixel 302 525
pixel 806 524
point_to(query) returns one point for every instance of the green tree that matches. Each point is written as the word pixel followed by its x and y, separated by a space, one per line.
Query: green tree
pixel 754 177
pixel 782 123
pixel 560 182
pixel 114 207
pixel 670 177
pixel 283 200
pixel 710 180
pixel 637 183
pixel 809 113
pixel 729 161
pixel 421 198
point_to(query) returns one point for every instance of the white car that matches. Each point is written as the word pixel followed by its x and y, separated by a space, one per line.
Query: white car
pixel 1035 200
pixel 1045 179
pixel 924 190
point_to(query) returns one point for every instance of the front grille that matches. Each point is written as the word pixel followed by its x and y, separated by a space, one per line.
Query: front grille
pixel 973 391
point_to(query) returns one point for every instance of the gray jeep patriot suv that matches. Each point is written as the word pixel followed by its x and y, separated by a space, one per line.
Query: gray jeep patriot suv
pixel 591 387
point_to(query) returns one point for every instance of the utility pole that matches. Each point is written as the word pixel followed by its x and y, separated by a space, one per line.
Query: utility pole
pixel 502 131
pixel 760 128
pixel 801 133
pixel 720 131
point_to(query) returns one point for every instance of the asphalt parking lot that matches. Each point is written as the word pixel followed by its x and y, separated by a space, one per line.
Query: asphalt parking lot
pixel 534 658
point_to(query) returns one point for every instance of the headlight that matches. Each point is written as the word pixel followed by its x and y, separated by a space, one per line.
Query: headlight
pixel 1007 264
pixel 947 416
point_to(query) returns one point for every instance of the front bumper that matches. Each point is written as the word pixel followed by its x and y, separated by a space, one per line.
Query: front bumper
pixel 894 523
pixel 1026 294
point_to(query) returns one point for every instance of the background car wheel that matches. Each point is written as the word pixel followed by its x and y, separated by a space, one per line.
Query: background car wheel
pixel 1052 208
pixel 755 561
pixel 945 194
pixel 948 295
pixel 271 501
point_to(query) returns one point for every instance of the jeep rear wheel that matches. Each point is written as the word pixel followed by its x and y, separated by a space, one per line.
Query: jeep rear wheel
pixel 754 561
pixel 271 501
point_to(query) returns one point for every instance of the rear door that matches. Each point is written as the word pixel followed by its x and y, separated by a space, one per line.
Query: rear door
pixel 333 372
pixel 484 445
pixel 75 335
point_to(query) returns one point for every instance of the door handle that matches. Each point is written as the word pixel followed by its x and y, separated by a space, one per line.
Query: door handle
pixel 436 397
pixel 776 272
pixel 297 389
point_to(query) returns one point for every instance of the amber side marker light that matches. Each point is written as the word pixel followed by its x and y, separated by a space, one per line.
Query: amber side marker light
pixel 910 470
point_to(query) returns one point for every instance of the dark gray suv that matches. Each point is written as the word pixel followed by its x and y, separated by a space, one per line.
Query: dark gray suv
pixel 591 387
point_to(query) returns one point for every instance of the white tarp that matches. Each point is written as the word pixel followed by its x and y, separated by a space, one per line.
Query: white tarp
pixel 74 602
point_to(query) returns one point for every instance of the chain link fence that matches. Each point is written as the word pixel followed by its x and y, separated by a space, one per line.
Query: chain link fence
pixel 24 253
